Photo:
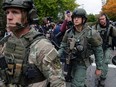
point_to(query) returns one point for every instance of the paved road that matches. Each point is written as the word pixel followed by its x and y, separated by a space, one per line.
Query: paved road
pixel 91 79
pixel 111 76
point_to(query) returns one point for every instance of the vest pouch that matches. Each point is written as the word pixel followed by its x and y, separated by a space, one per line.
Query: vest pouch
pixel 31 74
pixel 11 67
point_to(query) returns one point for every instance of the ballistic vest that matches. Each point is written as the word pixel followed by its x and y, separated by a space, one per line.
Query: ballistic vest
pixel 86 39
pixel 15 52
pixel 105 34
pixel 81 46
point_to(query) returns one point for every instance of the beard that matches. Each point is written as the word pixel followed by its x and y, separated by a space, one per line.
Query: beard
pixel 14 27
pixel 11 27
pixel 103 25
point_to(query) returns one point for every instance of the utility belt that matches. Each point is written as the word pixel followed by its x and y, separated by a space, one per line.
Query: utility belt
pixel 86 61
pixel 106 46
pixel 12 73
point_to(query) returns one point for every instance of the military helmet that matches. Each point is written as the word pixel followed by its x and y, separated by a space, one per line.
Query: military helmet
pixel 79 12
pixel 27 5
pixel 114 60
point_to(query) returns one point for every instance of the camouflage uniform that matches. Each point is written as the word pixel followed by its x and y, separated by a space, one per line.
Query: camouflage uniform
pixel 91 42
pixel 30 60
pixel 46 55
pixel 42 54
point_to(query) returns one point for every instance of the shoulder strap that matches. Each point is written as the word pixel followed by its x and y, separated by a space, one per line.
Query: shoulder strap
pixel 96 26
pixel 30 41
pixel 25 60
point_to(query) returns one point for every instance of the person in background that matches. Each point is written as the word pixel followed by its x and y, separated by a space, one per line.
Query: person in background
pixel 107 32
pixel 67 23
pixel 56 37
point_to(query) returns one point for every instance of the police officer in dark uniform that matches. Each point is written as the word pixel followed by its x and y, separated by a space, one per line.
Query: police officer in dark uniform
pixel 79 42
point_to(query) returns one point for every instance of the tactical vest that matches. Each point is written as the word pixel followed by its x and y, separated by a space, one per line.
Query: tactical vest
pixel 15 53
pixel 82 49
pixel 105 34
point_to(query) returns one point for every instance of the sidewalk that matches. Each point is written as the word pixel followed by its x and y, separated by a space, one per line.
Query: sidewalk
pixel 91 78
pixel 111 76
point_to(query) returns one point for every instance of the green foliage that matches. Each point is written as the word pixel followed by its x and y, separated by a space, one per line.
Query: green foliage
pixel 51 8
pixel 91 18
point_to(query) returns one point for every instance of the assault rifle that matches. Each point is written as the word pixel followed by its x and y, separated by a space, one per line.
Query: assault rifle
pixel 4 39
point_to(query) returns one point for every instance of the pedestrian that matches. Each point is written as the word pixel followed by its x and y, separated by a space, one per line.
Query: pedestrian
pixel 79 42
pixel 107 32
pixel 28 59
pixel 67 23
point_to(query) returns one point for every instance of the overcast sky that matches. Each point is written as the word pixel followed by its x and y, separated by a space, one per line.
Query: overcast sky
pixel 91 6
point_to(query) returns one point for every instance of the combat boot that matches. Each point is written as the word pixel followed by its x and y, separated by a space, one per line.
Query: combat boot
pixel 101 82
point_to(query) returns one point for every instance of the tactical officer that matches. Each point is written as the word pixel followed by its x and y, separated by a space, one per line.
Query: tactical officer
pixel 79 43
pixel 107 32
pixel 29 60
